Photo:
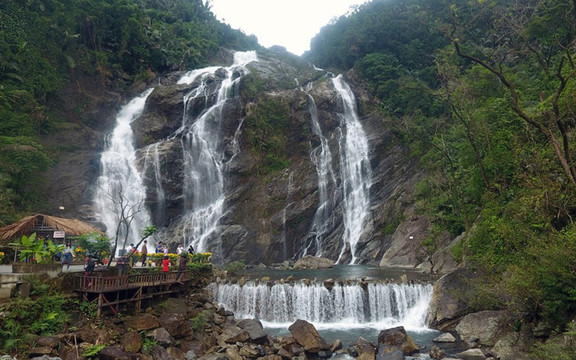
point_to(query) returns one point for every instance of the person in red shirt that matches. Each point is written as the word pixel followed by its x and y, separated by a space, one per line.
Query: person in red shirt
pixel 165 266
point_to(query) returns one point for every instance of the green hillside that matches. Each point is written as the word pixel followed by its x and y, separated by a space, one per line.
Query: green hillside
pixel 484 92
pixel 47 46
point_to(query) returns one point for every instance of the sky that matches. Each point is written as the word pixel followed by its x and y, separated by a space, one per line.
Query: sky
pixel 289 23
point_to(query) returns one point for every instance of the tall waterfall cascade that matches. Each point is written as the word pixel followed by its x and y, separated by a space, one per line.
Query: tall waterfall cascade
pixel 355 171
pixel 378 305
pixel 203 183
pixel 204 165
pixel 119 188
pixel 321 156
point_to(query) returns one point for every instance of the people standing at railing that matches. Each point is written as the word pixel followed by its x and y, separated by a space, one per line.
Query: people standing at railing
pixel 144 252
pixel 88 269
pixel 182 265
pixel 165 266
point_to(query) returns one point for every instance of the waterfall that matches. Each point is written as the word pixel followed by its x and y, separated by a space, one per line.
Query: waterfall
pixel 378 305
pixel 152 162
pixel 284 210
pixel 321 156
pixel 119 188
pixel 355 172
pixel 203 189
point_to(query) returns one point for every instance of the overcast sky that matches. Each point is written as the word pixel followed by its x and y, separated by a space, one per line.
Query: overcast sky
pixel 290 23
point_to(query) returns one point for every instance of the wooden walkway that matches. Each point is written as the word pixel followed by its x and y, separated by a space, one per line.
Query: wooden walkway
pixel 109 292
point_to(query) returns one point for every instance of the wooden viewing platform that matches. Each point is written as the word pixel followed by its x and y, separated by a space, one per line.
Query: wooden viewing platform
pixel 112 291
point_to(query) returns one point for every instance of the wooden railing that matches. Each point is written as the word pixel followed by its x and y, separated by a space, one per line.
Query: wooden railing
pixel 121 282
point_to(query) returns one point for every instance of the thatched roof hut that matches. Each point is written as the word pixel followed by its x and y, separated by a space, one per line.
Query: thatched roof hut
pixel 46 225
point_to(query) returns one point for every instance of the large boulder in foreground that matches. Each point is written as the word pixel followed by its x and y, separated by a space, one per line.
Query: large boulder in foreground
pixel 448 304
pixel 313 262
pixel 485 327
pixel 307 336
pixel 397 338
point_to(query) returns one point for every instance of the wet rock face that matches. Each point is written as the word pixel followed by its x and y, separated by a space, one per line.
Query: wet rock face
pixel 270 204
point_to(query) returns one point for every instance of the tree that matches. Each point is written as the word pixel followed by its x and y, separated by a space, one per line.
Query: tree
pixel 537 69
pixel 125 213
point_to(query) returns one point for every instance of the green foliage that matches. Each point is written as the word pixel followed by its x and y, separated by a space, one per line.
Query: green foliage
pixel 148 344
pixel 93 351
pixel 558 347
pixel 235 267
pixel 89 308
pixel 267 127
pixel 198 322
pixel 39 249
pixel 44 313
pixel 95 244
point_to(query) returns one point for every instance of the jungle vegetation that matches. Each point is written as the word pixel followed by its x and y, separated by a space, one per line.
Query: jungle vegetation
pixel 49 45
pixel 484 93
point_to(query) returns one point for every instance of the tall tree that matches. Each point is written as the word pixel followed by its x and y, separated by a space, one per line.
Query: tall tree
pixel 513 41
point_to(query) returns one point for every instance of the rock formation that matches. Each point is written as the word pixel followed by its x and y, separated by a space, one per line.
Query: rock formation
pixel 271 182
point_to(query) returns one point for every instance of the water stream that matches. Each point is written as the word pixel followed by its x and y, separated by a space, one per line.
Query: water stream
pixel 355 171
pixel 119 188
pixel 361 302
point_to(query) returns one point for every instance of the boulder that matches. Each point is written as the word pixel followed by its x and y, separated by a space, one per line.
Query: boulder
pixel 252 351
pixel 232 334
pixel 472 354
pixel 313 262
pixel 397 337
pixel 40 350
pixel 254 329
pixel 160 353
pixel 176 324
pixel 161 336
pixel 50 341
pixel 175 306
pixel 143 322
pixel 131 342
pixel 366 350
pixel 445 338
pixel 388 352
pixel 446 308
pixel 437 353
pixel 514 346
pixel 486 327
pixel 176 353
pixel 307 336
pixel 233 353
pixel 115 353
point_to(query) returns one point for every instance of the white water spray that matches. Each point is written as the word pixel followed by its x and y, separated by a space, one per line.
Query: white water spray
pixel 378 305
pixel 203 189
pixel 355 171
pixel 321 156
pixel 119 187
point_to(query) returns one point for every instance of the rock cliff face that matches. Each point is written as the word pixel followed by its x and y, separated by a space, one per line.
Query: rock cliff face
pixel 269 148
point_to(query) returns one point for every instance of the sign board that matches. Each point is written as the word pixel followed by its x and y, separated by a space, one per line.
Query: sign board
pixel 59 234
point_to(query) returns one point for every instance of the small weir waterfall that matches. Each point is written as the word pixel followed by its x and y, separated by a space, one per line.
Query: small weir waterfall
pixel 379 305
